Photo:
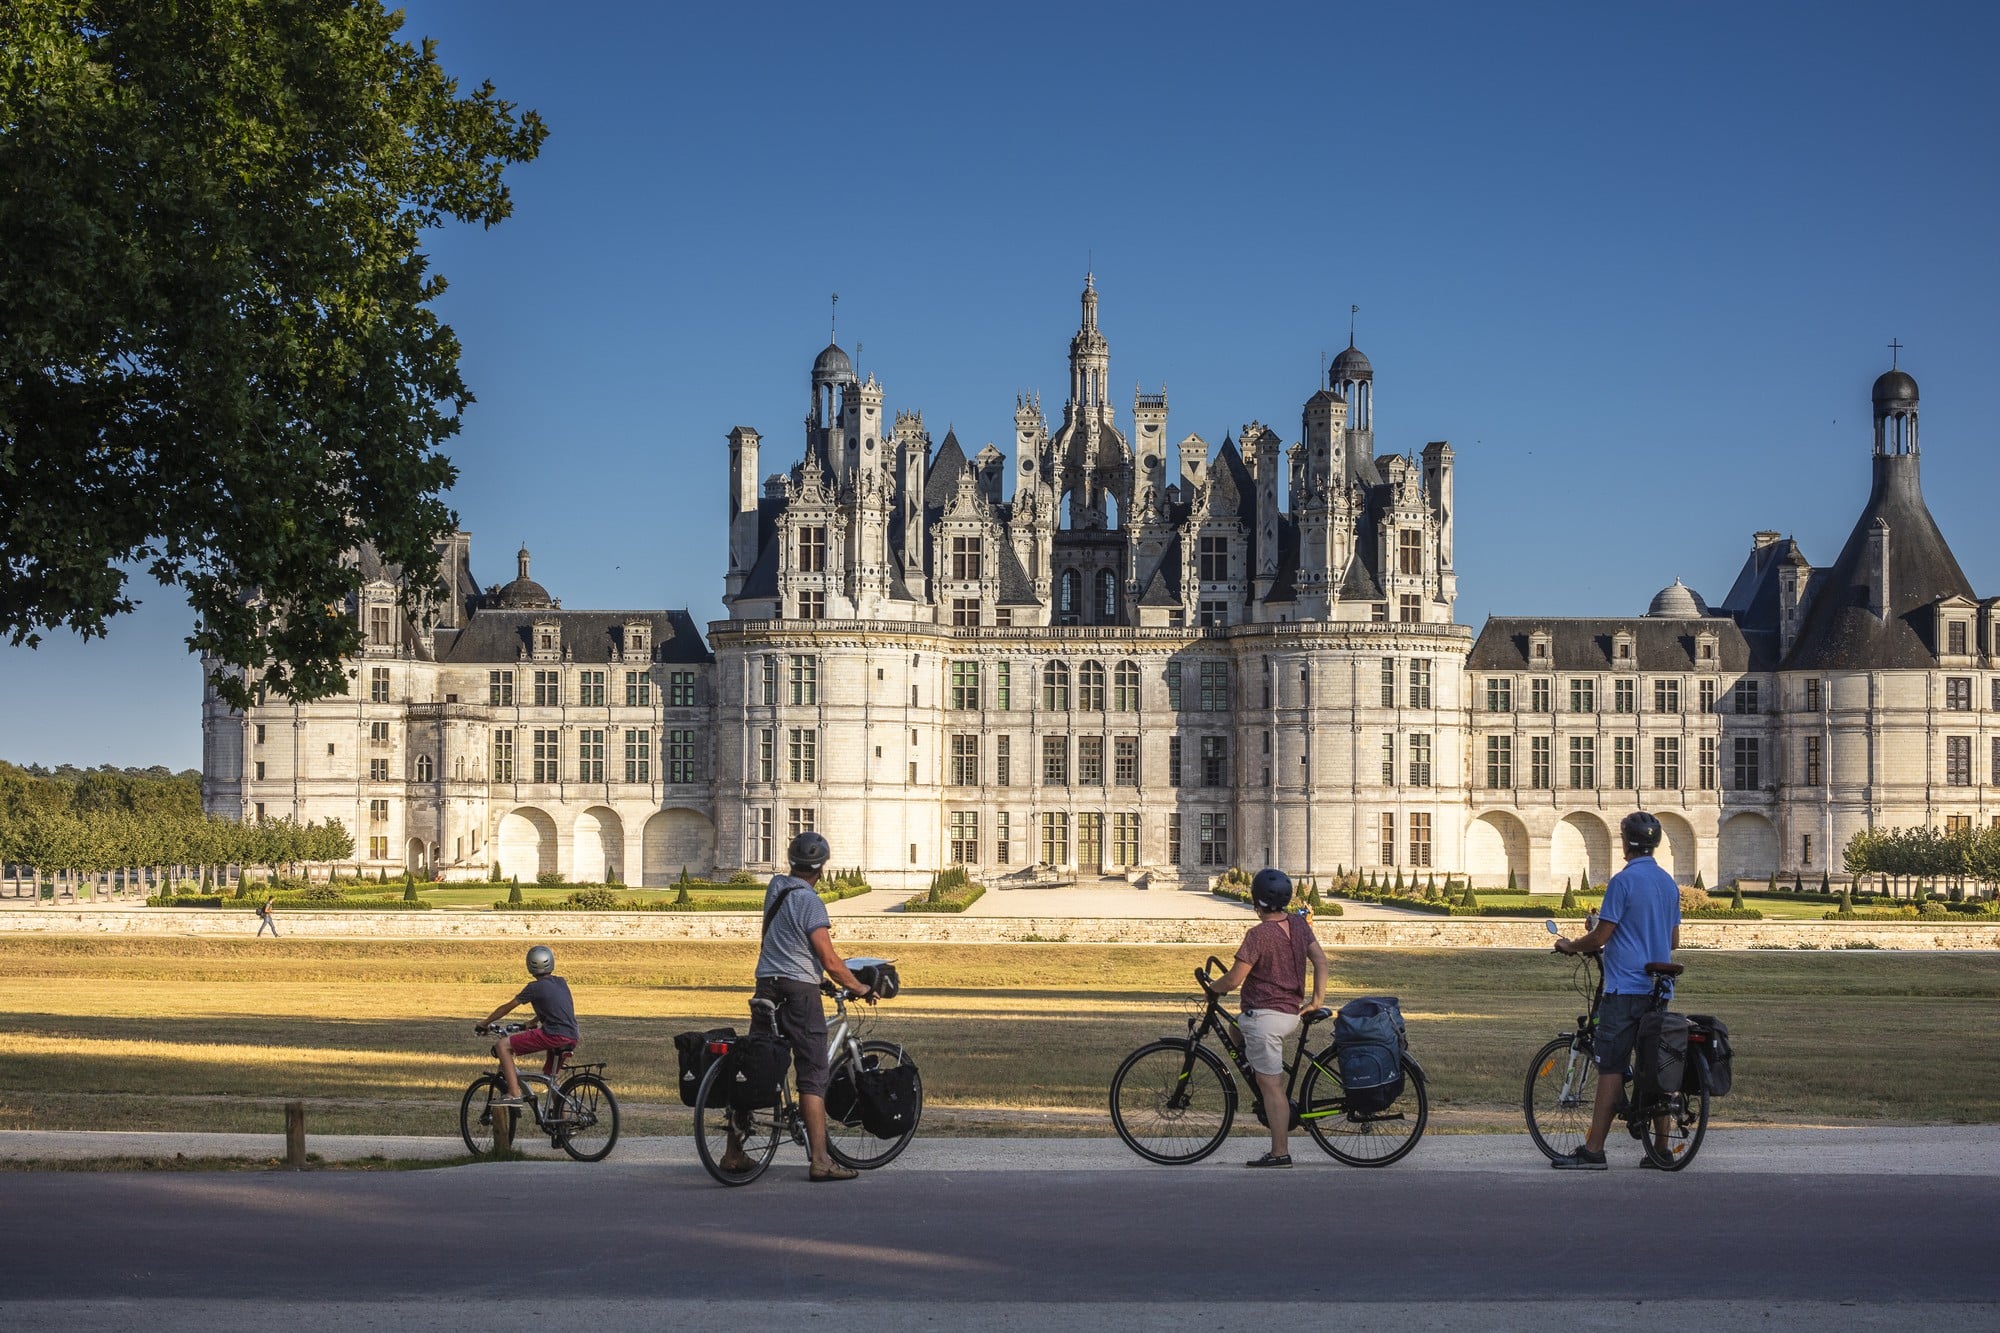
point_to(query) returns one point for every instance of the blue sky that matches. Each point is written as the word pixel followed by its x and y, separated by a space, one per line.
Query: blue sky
pixel 1638 264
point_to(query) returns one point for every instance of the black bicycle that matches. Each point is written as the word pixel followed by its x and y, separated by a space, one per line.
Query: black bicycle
pixel 1561 1088
pixel 1173 1100
pixel 571 1103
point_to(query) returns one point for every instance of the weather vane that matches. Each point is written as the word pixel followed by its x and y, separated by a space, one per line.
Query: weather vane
pixel 834 323
pixel 1352 311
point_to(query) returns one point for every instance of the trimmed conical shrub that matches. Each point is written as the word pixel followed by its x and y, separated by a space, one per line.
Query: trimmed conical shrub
pixel 1469 899
pixel 1847 898
pixel 409 888
pixel 1826 883
pixel 1697 881
pixel 1569 895
pixel 514 892
pixel 1513 886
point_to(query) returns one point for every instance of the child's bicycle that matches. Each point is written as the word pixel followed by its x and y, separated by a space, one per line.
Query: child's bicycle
pixel 1561 1087
pixel 1173 1101
pixel 579 1114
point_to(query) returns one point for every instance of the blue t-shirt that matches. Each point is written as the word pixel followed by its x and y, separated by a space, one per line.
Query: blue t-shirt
pixel 787 949
pixel 1646 903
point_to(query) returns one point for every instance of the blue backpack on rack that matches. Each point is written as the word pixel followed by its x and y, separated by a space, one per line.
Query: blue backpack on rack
pixel 1368 1046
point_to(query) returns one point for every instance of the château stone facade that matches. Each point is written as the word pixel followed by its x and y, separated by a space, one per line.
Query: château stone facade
pixel 1144 659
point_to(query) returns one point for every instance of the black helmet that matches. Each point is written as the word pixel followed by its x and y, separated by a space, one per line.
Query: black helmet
pixel 808 851
pixel 1271 891
pixel 878 975
pixel 541 960
pixel 1640 831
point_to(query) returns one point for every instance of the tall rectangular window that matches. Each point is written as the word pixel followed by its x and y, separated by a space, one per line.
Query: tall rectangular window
pixel 1707 763
pixel 503 756
pixel 802 754
pixel 590 689
pixel 1090 840
pixel 1538 695
pixel 1410 609
pixel 1388 682
pixel 1499 695
pixel 1958 694
pixel 812 550
pixel 1173 837
pixel 964 836
pixel 1582 695
pixel 378 770
pixel 1214 838
pixel 1174 760
pixel 1090 761
pixel 1002 836
pixel 547 754
pixel 1623 778
pixel 1388 845
pixel 1055 687
pixel 965 760
pixel 1420 839
pixel 1215 687
pixel 638 690
pixel 379 631
pixel 1583 762
pixel 1090 687
pixel 378 847
pixel 1625 695
pixel 1409 551
pixel 1667 762
pixel 1666 696
pixel 1996 761
pixel 964 686
pixel 1055 837
pixel 1215 761
pixel 1954 638
pixel 767 681
pixel 1212 555
pixel 1125 761
pixel 800 819
pixel 966 559
pixel 378 685
pixel 1003 761
pixel 548 689
pixel 1500 762
pixel 1540 767
pixel 500 689
pixel 638 754
pixel 1055 761
pixel 1420 682
pixel 964 612
pixel 1003 692
pixel 1812 693
pixel 680 689
pixel 759 848
pixel 1746 770
pixel 1744 696
pixel 767 754
pixel 805 680
pixel 590 755
pixel 1958 761
pixel 1812 773
pixel 1388 758
pixel 1173 674
pixel 1708 696
pixel 1125 839
pixel 680 757
pixel 1125 688
pixel 1420 760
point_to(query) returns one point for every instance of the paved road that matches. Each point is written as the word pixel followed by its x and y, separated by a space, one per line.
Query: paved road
pixel 958 1243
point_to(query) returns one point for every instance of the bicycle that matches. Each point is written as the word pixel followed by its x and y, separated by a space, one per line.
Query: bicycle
pixel 1561 1088
pixel 579 1115
pixel 1173 1101
pixel 758 1131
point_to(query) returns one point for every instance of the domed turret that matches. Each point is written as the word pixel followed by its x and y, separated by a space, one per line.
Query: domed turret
pixel 523 594
pixel 833 367
pixel 1895 399
pixel 1677 602
pixel 1352 380
pixel 1349 365
pixel 1895 386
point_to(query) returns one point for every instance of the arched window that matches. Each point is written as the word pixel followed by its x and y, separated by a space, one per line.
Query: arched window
pixel 1107 597
pixel 1125 688
pixel 423 768
pixel 1068 592
pixel 1055 687
pixel 1090 687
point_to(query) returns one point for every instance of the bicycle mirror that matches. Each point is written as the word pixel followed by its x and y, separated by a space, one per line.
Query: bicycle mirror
pixel 1551 927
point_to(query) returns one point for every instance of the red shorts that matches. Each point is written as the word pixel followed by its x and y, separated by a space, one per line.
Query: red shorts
pixel 534 1039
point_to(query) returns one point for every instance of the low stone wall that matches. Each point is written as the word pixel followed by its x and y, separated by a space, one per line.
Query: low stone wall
pixel 893 928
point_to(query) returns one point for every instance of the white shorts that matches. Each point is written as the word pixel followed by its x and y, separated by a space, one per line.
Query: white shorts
pixel 1265 1032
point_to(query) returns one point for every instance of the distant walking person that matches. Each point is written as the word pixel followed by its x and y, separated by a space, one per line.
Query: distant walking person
pixel 265 921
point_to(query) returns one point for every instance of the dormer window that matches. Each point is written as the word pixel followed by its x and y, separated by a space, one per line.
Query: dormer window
pixel 1538 646
pixel 1954 638
pixel 545 640
pixel 967 556
pixel 812 550
pixel 1621 647
pixel 1704 649
pixel 638 641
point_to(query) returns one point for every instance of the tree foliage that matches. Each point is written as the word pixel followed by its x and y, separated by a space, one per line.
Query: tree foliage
pixel 218 357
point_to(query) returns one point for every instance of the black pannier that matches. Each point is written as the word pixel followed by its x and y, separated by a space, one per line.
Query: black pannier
pixel 758 1065
pixel 1659 1065
pixel 888 1100
pixel 692 1053
pixel 1368 1046
pixel 1709 1055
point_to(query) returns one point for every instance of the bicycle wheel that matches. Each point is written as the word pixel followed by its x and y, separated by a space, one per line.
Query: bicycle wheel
pixel 852 1145
pixel 1172 1103
pixel 1362 1139
pixel 590 1125
pixel 1557 1098
pixel 477 1115
pixel 716 1123
pixel 1687 1122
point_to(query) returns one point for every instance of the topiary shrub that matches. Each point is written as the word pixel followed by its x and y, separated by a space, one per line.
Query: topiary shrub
pixel 409 889
pixel 514 892
pixel 593 900
pixel 320 893
pixel 1513 886
pixel 1695 900
pixel 1736 898
pixel 1697 882
pixel 494 875
pixel 1569 895
pixel 548 877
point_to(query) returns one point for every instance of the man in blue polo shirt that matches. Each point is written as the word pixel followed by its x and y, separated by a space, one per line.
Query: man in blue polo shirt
pixel 1638 923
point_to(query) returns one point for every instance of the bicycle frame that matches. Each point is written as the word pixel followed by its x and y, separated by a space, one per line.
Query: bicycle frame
pixel 1583 1039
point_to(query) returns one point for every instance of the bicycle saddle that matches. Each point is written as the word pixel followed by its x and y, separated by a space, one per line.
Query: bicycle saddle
pixel 1665 969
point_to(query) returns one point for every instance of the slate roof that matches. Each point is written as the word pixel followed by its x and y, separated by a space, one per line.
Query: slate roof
pixel 762 580
pixel 1838 632
pixel 1015 587
pixel 1164 587
pixel 941 478
pixel 1659 644
pixel 496 635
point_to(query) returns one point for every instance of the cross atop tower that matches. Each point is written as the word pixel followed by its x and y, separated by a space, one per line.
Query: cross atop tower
pixel 1895 349
pixel 833 324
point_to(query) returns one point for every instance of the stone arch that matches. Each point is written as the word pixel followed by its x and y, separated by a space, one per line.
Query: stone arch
pixel 597 844
pixel 1745 848
pixel 1677 847
pixel 1496 845
pixel 1580 845
pixel 527 844
pixel 674 839
pixel 416 858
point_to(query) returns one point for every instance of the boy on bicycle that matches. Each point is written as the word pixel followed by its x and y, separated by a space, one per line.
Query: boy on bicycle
pixel 1271 968
pixel 1639 922
pixel 553 1030
pixel 797 949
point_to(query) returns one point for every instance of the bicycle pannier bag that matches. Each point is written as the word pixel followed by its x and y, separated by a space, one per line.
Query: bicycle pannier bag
pixel 887 1100
pixel 1660 1061
pixel 1708 1056
pixel 758 1066
pixel 691 1051
pixel 843 1102
pixel 1369 1042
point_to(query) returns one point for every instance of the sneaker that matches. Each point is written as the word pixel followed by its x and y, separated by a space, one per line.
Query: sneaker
pixel 832 1171
pixel 1270 1159
pixel 511 1101
pixel 1583 1159
pixel 1647 1163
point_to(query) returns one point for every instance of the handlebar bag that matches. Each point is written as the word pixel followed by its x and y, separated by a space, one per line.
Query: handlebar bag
pixel 759 1065
pixel 1368 1046
pixel 1709 1054
pixel 886 1100
pixel 691 1051
pixel 1660 1061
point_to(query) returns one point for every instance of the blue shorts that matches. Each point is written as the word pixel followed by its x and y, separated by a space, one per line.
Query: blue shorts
pixel 1617 1030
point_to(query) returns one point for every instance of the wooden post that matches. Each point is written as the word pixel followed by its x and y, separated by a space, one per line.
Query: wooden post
pixel 295 1135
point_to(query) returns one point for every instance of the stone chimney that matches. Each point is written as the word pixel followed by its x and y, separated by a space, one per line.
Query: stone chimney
pixel 1875 569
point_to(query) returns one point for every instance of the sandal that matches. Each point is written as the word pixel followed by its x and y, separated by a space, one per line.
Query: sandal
pixel 833 1171
pixel 1271 1159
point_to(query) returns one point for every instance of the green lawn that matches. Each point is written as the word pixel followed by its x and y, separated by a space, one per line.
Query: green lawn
pixel 484 894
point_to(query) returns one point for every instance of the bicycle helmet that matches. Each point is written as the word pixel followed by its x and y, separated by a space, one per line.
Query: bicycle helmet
pixel 541 960
pixel 878 975
pixel 1640 831
pixel 808 851
pixel 1271 891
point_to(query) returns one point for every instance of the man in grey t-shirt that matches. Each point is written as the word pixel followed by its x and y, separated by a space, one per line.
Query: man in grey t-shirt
pixel 797 949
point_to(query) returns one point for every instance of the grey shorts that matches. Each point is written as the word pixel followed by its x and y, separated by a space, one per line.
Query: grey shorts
pixel 802 1014
pixel 1265 1032
pixel 1618 1030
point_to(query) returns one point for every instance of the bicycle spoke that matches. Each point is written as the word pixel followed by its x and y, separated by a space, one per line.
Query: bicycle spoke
pixel 1169 1106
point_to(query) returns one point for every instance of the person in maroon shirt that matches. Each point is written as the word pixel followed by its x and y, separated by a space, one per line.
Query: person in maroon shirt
pixel 1271 968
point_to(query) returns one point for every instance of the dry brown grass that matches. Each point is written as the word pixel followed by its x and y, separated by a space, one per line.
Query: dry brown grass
pixel 376 1037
